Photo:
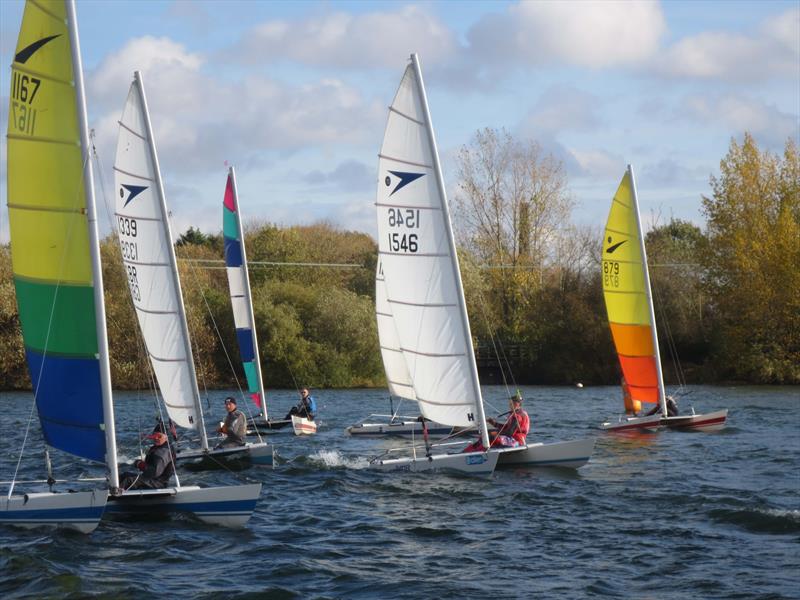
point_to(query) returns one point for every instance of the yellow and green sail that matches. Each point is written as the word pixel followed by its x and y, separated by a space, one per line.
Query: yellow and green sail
pixel 625 288
pixel 49 234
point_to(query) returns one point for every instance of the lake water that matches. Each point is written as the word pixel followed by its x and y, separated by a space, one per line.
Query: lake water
pixel 669 515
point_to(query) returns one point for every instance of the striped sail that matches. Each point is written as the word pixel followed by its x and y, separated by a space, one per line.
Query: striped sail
pixel 626 288
pixel 239 287
pixel 50 241
pixel 394 363
pixel 420 268
pixel 149 258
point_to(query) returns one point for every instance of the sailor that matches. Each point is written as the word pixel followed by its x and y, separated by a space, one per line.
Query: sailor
pixel 513 432
pixel 156 468
pixel 306 408
pixel 672 408
pixel 234 427
pixel 516 427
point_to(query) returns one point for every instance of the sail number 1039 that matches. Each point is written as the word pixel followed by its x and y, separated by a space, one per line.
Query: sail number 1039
pixel 407 218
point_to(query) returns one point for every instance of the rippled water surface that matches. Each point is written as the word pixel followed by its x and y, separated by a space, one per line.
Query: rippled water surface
pixel 670 515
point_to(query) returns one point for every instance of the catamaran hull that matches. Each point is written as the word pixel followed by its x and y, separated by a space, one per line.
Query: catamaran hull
pixel 472 463
pixel 80 511
pixel 258 454
pixel 649 423
pixel 571 455
pixel 265 427
pixel 229 506
pixel 713 421
pixel 404 429
pixel 303 426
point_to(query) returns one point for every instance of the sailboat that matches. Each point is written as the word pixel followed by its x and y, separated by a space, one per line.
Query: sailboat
pixel 631 316
pixel 426 297
pixel 59 284
pixel 243 317
pixel 145 239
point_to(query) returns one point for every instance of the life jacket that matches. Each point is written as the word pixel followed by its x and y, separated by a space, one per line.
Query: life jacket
pixel 519 424
pixel 312 404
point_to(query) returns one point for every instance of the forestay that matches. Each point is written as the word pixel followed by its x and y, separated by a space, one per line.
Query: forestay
pixel 626 288
pixel 420 268
pixel 394 363
pixel 147 252
pixel 50 237
pixel 239 287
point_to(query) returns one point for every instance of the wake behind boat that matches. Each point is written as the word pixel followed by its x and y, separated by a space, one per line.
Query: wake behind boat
pixel 631 316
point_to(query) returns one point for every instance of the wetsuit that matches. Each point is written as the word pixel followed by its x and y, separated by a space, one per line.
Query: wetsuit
pixel 158 468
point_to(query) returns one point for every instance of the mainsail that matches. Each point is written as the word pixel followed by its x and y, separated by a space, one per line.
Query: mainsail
pixel 51 222
pixel 420 266
pixel 239 286
pixel 626 288
pixel 394 363
pixel 149 257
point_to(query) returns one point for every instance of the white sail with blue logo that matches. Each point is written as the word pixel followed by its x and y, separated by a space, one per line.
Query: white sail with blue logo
pixel 420 265
pixel 145 239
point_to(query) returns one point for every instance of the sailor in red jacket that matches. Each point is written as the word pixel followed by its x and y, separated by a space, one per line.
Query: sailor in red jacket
pixel 515 430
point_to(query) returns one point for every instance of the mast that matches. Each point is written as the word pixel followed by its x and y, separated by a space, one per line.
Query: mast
pixel 462 304
pixel 94 251
pixel 649 294
pixel 173 261
pixel 249 295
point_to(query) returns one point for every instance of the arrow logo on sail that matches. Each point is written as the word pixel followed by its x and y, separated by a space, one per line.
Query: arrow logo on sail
pixel 611 249
pixel 405 179
pixel 24 54
pixel 133 190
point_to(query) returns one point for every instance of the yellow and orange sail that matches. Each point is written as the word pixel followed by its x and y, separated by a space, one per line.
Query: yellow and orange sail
pixel 626 288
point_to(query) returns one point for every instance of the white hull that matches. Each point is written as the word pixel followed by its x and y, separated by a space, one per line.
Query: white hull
pixel 257 453
pixel 80 511
pixel 470 463
pixel 303 426
pixel 408 428
pixel 626 423
pixel 229 506
pixel 572 455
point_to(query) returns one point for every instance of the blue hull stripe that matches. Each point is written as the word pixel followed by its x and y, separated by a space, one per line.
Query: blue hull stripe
pixel 80 514
pixel 70 403
pixel 545 462
pixel 221 508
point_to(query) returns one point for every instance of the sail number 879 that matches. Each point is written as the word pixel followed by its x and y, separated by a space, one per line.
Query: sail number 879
pixel 610 273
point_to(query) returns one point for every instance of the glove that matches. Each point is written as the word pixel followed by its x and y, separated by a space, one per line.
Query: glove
pixel 141 465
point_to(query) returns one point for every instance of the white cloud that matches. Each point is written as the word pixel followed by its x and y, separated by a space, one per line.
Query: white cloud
pixel 199 122
pixel 599 163
pixel 594 34
pixel 738 114
pixel 773 51
pixel 347 176
pixel 377 39
pixel 562 108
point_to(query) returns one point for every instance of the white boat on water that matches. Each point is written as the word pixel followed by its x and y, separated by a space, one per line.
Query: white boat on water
pixel 59 285
pixel 431 358
pixel 148 253
pixel 631 316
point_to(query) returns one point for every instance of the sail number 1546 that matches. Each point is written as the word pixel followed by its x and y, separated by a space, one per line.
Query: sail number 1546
pixel 407 218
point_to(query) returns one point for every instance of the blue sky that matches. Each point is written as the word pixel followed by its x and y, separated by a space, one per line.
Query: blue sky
pixel 294 94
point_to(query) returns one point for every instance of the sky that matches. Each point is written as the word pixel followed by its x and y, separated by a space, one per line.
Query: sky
pixel 295 94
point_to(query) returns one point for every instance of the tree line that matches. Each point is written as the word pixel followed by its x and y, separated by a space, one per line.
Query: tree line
pixel 727 294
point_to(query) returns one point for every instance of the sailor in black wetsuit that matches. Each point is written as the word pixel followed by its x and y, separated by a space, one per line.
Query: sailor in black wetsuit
pixel 156 468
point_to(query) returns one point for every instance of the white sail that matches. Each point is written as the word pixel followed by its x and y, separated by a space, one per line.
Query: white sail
pixel 423 286
pixel 148 255
pixel 394 363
